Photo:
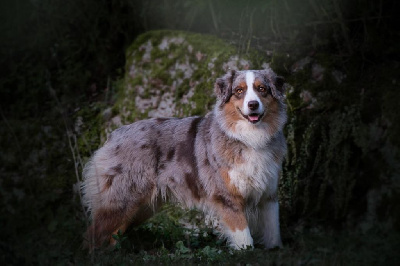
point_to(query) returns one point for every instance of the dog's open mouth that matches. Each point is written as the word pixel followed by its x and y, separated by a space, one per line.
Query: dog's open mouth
pixel 253 118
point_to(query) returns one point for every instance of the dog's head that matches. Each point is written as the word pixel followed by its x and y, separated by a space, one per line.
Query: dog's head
pixel 251 98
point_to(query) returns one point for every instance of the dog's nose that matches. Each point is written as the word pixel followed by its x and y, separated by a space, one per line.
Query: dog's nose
pixel 253 105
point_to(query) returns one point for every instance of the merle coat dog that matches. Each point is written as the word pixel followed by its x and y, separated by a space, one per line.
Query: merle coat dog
pixel 226 164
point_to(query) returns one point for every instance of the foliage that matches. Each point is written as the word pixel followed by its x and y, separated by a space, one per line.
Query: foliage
pixel 337 147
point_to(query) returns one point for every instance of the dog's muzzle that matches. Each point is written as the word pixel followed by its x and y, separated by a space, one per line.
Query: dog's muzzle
pixel 253 118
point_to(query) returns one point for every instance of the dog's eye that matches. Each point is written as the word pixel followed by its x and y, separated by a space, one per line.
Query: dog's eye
pixel 264 89
pixel 239 90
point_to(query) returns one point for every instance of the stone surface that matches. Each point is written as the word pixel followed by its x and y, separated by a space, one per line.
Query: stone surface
pixel 173 74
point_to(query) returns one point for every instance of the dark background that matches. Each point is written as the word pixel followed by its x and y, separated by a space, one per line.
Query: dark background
pixel 54 40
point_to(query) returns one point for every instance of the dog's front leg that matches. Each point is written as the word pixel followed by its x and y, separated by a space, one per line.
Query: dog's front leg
pixel 270 224
pixel 237 230
pixel 240 239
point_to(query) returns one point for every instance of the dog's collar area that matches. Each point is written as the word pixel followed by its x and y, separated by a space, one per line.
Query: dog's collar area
pixel 253 118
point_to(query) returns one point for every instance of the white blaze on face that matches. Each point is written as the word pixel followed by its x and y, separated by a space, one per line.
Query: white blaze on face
pixel 251 95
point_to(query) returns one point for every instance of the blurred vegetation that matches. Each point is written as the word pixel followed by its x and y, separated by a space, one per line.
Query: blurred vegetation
pixel 60 60
pixel 51 40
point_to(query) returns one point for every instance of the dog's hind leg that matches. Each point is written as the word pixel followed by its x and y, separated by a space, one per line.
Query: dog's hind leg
pixel 115 207
pixel 140 215
pixel 109 221
pixel 105 222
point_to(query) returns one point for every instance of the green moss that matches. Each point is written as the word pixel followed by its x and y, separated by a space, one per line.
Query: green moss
pixel 188 62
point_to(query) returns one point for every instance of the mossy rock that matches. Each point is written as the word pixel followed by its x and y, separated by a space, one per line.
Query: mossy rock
pixel 171 73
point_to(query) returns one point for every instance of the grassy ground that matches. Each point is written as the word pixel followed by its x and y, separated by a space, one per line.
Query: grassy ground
pixel 169 245
pixel 177 236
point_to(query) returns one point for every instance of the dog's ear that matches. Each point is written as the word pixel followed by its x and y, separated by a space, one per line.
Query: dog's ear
pixel 223 87
pixel 279 84
pixel 278 88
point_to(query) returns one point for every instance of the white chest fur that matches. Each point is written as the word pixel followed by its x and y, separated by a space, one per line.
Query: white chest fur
pixel 257 175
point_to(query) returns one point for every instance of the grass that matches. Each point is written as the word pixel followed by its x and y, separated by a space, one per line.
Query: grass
pixel 48 230
pixel 163 240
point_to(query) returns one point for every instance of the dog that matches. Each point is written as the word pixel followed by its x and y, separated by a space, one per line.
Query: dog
pixel 226 164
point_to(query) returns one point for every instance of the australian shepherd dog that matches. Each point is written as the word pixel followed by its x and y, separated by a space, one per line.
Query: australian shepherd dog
pixel 226 164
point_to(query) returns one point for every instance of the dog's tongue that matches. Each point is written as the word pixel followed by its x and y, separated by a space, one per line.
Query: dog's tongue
pixel 253 118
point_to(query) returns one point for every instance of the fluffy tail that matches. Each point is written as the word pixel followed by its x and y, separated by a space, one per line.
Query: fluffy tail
pixel 102 203
pixel 114 193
